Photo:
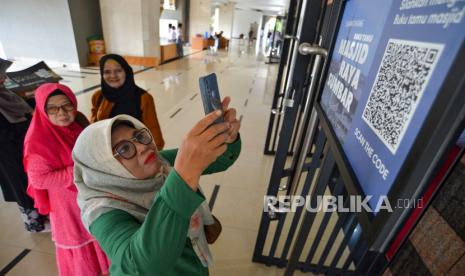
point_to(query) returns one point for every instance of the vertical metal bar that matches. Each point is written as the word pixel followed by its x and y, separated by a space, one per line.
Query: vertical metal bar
pixel 296 131
pixel 358 247
pixel 301 125
pixel 300 130
pixel 314 165
pixel 288 68
pixel 304 143
pixel 308 106
pixel 312 127
pixel 343 218
pixel 282 68
pixel 337 190
pixel 269 132
pixel 347 235
pixel 276 174
pixel 290 86
pixel 327 169
pixel 311 16
pixel 278 122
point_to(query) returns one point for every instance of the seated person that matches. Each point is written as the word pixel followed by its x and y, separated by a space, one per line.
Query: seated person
pixel 144 206
pixel 119 94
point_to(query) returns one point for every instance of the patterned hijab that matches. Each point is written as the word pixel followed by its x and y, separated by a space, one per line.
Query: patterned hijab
pixel 104 184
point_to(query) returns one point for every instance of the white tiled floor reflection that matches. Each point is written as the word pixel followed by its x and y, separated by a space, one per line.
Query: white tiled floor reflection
pixel 250 83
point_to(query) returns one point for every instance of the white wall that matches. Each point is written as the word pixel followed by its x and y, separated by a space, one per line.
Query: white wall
pixel 85 15
pixel 34 30
pixel 199 16
pixel 226 19
pixel 242 21
pixel 122 26
pixel 131 27
pixel 151 28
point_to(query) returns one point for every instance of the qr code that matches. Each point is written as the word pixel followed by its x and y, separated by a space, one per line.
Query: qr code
pixel 402 77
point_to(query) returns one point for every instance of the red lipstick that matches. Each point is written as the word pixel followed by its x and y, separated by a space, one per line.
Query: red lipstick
pixel 152 157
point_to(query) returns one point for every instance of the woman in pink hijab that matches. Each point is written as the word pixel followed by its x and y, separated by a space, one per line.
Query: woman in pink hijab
pixel 47 159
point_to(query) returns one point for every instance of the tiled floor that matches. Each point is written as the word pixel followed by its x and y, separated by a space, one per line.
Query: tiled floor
pixel 250 83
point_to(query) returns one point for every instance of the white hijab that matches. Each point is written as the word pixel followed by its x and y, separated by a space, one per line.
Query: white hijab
pixel 104 184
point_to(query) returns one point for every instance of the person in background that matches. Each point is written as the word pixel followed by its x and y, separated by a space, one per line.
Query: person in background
pixel 279 40
pixel 49 165
pixel 15 117
pixel 269 42
pixel 173 34
pixel 179 42
pixel 217 37
pixel 250 37
pixel 170 29
pixel 119 94
pixel 145 206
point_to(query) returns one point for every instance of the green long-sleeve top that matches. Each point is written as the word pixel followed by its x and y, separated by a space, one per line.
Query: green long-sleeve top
pixel 158 246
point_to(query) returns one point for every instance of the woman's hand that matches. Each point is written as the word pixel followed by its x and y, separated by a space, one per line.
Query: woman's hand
pixel 202 145
pixel 230 117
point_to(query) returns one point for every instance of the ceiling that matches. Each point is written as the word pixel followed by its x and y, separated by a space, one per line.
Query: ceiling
pixel 266 6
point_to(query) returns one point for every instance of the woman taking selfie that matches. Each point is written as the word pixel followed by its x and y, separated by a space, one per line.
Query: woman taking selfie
pixel 47 159
pixel 119 94
pixel 144 206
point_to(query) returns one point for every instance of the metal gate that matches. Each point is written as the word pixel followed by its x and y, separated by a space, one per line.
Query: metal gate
pixel 299 134
pixel 292 78
pixel 311 163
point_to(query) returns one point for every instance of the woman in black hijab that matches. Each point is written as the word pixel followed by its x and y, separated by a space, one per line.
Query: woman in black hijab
pixel 119 94
pixel 15 116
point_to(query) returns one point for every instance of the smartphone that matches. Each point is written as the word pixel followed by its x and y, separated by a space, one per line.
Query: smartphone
pixel 210 95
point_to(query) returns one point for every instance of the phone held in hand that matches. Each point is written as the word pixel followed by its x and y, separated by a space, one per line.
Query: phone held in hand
pixel 210 95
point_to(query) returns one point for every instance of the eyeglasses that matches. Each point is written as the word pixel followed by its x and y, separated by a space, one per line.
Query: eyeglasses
pixel 126 148
pixel 53 109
